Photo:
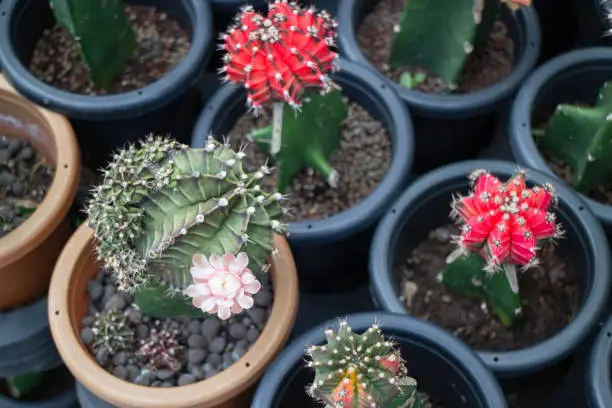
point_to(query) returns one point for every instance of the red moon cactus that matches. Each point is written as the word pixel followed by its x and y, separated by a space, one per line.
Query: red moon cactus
pixel 278 56
pixel 505 221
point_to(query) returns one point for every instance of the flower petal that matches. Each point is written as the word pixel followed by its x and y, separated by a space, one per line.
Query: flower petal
pixel 245 301
pixel 232 285
pixel 224 312
pixel 252 287
pixel 228 260
pixel 216 286
pixel 240 264
pixel 200 261
pixel 216 262
pixel 236 308
pixel 201 273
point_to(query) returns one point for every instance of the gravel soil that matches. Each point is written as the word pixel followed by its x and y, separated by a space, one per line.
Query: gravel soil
pixel 363 160
pixel 25 178
pixel 161 45
pixel 195 349
pixel 487 64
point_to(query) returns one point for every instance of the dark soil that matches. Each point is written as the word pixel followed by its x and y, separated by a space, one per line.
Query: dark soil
pixel 207 346
pixel 602 193
pixel 486 65
pixel 161 45
pixel 25 178
pixel 549 292
pixel 363 160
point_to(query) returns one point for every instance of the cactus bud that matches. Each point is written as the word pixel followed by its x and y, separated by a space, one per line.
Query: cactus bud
pixel 359 371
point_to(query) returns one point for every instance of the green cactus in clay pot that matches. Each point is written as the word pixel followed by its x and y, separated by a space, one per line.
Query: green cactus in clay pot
pixel 187 231
pixel 582 138
pixel 360 371
pixel 420 43
pixel 104 37
pixel 283 59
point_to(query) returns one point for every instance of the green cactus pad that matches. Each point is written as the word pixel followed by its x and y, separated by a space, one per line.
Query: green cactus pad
pixel 307 138
pixel 162 203
pixel 582 138
pixel 23 384
pixel 355 371
pixel 420 41
pixel 103 34
pixel 466 274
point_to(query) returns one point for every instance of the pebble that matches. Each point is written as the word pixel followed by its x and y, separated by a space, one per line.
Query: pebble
pixel 263 298
pixel 134 316
pixel 257 315
pixel 196 356
pixel 210 328
pixel 116 302
pixel 120 358
pixel 237 331
pixel 252 334
pixel 102 356
pixel 217 345
pixel 166 384
pixel 87 336
pixel 144 378
pixel 197 341
pixel 194 327
pixel 186 379
pixel 198 372
pixel 142 331
pixel 17 188
pixel 164 374
pixel 6 179
pixel 88 321
pixel 214 359
pixel 121 372
pixel 95 290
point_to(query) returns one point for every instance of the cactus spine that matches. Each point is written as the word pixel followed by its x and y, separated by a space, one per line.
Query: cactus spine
pixel 360 371
pixel 162 203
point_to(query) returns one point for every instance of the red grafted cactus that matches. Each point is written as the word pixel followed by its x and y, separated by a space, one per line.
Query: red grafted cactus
pixel 504 222
pixel 276 57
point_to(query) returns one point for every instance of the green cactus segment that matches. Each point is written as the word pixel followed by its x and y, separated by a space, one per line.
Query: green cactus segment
pixel 103 33
pixel 165 203
pixel 307 139
pixel 582 138
pixel 360 371
pixel 21 385
pixel 467 275
pixel 419 41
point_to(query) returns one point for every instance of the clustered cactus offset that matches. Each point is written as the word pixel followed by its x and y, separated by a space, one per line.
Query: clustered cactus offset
pixel 105 39
pixel 420 43
pixel 278 59
pixel 111 332
pixel 502 227
pixel 164 213
pixel 582 137
pixel 360 371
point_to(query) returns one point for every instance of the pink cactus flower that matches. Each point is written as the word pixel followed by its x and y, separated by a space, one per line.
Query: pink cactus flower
pixel 505 221
pixel 222 284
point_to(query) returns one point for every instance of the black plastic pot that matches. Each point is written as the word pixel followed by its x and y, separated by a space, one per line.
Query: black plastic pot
pixel 426 205
pixel 598 379
pixel 56 391
pixel 89 400
pixel 574 77
pixel 443 366
pixel 450 128
pixel 104 123
pixel 559 24
pixel 340 242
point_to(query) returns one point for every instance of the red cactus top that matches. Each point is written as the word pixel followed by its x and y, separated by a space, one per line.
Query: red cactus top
pixel 277 56
pixel 505 221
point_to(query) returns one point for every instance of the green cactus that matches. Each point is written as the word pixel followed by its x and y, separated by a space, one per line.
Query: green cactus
pixel 419 41
pixel 582 138
pixel 360 371
pixel 305 139
pixel 162 203
pixel 103 34
pixel 111 332
pixel 21 385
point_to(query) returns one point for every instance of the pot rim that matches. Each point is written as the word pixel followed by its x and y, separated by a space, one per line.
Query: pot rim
pixel 461 355
pixel 448 106
pixel 367 211
pixel 109 107
pixel 521 140
pixel 211 392
pixel 541 355
pixel 56 204
pixel 599 381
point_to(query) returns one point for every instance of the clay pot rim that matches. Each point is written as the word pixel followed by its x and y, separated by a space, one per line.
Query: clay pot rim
pixel 210 392
pixel 54 207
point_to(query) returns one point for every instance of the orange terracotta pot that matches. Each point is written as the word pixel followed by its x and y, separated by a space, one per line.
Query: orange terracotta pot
pixel 232 388
pixel 28 253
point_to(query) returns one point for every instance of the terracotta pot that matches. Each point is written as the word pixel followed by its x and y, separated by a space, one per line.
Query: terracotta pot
pixel 68 303
pixel 28 253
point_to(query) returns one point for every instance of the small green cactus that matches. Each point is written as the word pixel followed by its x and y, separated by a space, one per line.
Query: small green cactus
pixel 582 138
pixel 164 211
pixel 111 332
pixel 419 41
pixel 360 371
pixel 103 34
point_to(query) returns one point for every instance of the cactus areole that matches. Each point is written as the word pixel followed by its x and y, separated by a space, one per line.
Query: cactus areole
pixel 278 56
pixel 168 220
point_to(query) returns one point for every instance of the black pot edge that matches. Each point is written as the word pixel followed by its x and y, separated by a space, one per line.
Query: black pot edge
pixel 523 147
pixel 448 106
pixel 598 380
pixel 30 346
pixel 88 400
pixel 366 212
pixel 484 383
pixel 519 362
pixel 67 399
pixel 111 107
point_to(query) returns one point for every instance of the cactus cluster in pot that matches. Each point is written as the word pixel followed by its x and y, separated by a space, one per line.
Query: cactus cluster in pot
pixel 187 231
pixel 581 136
pixel 283 59
pixel 360 371
pixel 419 41
pixel 502 226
